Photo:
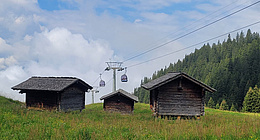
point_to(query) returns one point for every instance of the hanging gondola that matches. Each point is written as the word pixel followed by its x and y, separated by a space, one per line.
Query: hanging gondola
pixel 124 77
pixel 102 82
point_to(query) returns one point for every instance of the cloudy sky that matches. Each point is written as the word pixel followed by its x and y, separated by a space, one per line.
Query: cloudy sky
pixel 76 37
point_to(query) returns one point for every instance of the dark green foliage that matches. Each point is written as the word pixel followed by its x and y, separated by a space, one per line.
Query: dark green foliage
pixel 231 67
pixel 217 106
pixel 211 103
pixel 252 100
pixel 233 108
pixel 223 105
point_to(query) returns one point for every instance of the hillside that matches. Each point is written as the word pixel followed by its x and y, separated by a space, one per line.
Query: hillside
pixel 17 122
pixel 231 67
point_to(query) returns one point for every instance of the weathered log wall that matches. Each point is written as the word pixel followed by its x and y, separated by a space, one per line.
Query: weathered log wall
pixel 180 97
pixel 43 99
pixel 119 103
pixel 72 99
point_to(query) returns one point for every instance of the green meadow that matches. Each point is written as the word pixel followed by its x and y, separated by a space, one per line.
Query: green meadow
pixel 17 122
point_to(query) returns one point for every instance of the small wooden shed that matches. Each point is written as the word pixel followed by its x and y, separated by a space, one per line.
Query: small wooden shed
pixel 177 94
pixel 61 93
pixel 119 101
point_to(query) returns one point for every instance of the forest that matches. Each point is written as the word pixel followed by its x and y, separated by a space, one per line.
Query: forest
pixel 231 67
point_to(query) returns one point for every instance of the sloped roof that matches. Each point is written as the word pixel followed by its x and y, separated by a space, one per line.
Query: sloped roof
pixel 122 92
pixel 172 76
pixel 50 83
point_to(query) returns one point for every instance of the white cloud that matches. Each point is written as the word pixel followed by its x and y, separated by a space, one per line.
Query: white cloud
pixel 137 21
pixel 6 62
pixel 57 52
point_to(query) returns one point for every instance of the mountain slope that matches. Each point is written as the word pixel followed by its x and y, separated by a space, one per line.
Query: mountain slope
pixel 231 67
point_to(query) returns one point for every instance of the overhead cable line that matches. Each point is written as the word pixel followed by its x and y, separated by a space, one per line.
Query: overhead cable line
pixel 186 27
pixel 192 31
pixel 189 32
pixel 98 77
pixel 193 45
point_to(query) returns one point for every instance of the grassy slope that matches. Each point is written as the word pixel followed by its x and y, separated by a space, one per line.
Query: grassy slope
pixel 16 122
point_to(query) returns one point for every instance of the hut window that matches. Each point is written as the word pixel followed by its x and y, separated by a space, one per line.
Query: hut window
pixel 118 101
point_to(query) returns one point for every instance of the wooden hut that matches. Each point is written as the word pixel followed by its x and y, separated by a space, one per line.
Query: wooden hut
pixel 119 101
pixel 177 94
pixel 61 93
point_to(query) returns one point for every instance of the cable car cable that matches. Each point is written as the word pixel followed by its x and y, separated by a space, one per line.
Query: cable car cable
pixel 185 27
pixel 192 31
pixel 193 45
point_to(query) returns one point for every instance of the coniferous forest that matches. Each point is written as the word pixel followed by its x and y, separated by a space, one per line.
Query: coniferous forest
pixel 231 67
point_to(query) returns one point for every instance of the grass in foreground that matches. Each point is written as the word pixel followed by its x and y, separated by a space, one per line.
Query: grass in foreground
pixel 16 122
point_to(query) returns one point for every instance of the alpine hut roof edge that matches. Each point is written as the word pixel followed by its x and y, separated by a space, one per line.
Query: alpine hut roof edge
pixel 172 76
pixel 131 96
pixel 49 83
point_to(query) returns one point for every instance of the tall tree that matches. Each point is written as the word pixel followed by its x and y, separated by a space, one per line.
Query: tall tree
pixel 211 103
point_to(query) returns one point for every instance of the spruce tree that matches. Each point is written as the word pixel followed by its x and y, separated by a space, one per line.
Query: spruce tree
pixel 224 105
pixel 252 100
pixel 233 108
pixel 211 103
pixel 217 106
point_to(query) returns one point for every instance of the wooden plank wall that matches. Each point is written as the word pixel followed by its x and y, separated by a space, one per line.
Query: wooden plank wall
pixel 119 103
pixel 185 102
pixel 43 99
pixel 72 99
pixel 154 101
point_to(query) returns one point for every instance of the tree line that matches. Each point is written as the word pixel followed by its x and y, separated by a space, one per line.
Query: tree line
pixel 231 67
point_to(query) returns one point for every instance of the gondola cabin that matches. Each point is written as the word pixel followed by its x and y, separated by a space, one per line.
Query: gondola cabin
pixel 61 93
pixel 177 94
pixel 102 83
pixel 124 78
pixel 119 101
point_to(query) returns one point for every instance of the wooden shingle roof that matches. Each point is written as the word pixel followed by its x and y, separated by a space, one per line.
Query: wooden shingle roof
pixel 173 76
pixel 121 92
pixel 50 84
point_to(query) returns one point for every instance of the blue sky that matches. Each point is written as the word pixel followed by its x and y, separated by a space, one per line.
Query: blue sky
pixel 52 5
pixel 76 37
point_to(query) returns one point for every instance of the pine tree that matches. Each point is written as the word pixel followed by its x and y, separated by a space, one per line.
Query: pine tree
pixel 252 100
pixel 233 108
pixel 247 104
pixel 224 105
pixel 217 106
pixel 211 103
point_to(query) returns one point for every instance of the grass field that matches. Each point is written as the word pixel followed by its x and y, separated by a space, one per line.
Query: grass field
pixel 17 122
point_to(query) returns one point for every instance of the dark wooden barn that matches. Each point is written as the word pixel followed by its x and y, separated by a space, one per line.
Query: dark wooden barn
pixel 119 101
pixel 177 94
pixel 61 93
